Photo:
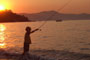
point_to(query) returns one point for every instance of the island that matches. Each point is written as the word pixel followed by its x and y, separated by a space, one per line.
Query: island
pixel 9 16
pixel 55 15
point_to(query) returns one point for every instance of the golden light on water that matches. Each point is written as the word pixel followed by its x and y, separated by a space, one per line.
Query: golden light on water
pixel 2 37
pixel 2 27
pixel 2 45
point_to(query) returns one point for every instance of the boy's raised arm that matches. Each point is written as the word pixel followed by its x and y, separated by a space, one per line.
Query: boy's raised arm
pixel 34 30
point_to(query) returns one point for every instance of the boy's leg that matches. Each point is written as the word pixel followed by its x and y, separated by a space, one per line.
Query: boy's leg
pixel 26 48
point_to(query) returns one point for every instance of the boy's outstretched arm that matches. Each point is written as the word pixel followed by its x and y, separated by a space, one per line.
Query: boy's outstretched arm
pixel 34 30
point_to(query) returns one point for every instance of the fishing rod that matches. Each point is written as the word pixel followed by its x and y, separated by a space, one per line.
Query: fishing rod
pixel 54 13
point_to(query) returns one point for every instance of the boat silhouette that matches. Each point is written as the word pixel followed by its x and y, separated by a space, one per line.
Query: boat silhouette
pixel 59 20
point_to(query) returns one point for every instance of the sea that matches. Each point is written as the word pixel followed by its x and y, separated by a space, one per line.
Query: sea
pixel 68 35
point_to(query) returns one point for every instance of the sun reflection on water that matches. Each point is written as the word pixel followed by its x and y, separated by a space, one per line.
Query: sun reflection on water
pixel 2 36
pixel 2 27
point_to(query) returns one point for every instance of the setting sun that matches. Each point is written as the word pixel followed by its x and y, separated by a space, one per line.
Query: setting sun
pixel 2 7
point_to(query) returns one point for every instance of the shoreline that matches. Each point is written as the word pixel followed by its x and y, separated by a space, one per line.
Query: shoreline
pixel 61 55
pixel 45 55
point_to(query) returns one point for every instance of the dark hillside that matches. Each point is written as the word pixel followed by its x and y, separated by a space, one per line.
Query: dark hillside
pixel 9 16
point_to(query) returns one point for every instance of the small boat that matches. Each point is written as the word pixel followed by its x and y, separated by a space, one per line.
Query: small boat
pixel 59 20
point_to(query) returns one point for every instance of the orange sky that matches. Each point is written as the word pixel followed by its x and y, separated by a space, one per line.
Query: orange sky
pixel 33 6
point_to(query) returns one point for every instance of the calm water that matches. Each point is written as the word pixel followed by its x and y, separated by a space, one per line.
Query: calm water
pixel 67 35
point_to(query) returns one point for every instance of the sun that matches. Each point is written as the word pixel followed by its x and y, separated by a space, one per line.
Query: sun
pixel 2 7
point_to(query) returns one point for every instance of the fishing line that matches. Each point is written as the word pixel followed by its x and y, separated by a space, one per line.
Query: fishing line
pixel 54 13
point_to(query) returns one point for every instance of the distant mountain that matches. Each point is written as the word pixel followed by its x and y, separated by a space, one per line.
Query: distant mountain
pixel 53 15
pixel 9 16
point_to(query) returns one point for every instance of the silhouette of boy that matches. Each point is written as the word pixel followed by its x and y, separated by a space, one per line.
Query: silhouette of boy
pixel 27 39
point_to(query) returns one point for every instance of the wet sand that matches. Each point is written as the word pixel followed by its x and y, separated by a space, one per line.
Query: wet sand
pixel 44 55
pixel 62 55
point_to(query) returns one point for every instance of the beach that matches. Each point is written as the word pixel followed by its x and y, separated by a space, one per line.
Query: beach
pixel 44 55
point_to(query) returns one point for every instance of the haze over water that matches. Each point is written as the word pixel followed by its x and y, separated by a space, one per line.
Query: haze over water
pixel 67 35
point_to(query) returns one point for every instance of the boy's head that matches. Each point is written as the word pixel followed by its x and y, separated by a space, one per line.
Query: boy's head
pixel 28 29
